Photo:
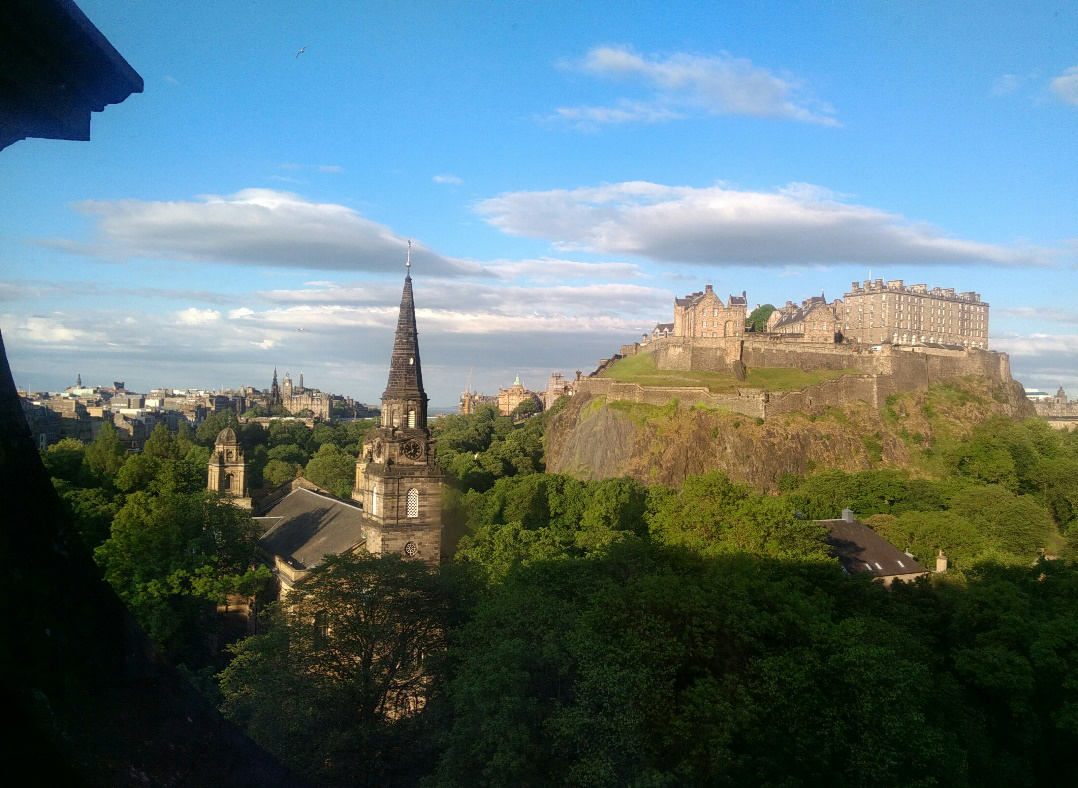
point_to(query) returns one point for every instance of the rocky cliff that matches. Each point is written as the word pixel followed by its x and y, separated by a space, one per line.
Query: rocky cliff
pixel 596 438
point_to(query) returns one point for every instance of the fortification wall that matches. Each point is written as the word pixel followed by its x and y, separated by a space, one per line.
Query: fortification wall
pixel 750 402
pixel 686 353
pixel 885 371
pixel 763 352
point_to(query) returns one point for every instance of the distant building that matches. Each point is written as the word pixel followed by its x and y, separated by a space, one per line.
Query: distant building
pixel 875 312
pixel 556 387
pixel 510 398
pixel 860 550
pixel 471 401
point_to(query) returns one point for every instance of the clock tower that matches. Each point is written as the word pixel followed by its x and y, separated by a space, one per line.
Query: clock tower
pixel 398 482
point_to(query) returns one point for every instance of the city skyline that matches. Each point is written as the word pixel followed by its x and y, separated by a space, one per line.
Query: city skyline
pixel 563 175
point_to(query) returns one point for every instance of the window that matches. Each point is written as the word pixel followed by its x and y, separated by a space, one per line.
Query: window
pixel 374 500
pixel 413 502
pixel 411 418
pixel 226 483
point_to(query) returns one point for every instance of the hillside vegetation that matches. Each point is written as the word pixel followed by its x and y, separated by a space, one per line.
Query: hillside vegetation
pixel 641 369
pixel 597 439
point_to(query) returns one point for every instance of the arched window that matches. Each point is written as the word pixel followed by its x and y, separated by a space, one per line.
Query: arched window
pixel 413 502
pixel 374 500
pixel 226 483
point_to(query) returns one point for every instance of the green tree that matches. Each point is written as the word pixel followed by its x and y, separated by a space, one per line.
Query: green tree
pixel 757 320
pixel 526 407
pixel 206 432
pixel 106 455
pixel 278 472
pixel 338 686
pixel 64 460
pixel 172 557
pixel 332 469
pixel 161 444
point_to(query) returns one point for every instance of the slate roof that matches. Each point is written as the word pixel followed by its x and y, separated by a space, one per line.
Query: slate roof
pixel 305 526
pixel 741 300
pixel 664 328
pixel 860 549
pixel 798 315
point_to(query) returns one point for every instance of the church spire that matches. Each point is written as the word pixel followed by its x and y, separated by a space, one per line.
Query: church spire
pixel 405 385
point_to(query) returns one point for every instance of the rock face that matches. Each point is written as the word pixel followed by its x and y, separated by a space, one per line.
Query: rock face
pixel 595 438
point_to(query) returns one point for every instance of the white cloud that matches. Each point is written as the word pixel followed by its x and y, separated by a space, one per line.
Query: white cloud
pixel 198 317
pixel 1066 86
pixel 1037 314
pixel 447 178
pixel 332 168
pixel 684 84
pixel 555 270
pixel 797 225
pixel 254 227
pixel 242 312
pixel 56 329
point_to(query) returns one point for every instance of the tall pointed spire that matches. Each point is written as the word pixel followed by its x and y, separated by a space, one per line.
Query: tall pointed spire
pixel 405 383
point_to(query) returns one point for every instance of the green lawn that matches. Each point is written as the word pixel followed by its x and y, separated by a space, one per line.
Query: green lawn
pixel 641 369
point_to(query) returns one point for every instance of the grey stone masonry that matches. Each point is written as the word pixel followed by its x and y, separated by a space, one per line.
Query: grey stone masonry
pixel 405 386
pixel 398 481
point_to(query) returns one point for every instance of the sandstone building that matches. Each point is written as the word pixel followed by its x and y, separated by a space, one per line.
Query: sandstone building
pixel 703 314
pixel 509 398
pixel 814 321
pixel 875 312
pixel 228 468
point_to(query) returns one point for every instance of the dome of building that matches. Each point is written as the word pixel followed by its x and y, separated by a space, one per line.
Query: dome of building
pixel 227 437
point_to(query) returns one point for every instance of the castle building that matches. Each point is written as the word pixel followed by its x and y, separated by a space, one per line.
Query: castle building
pixel 814 321
pixel 876 312
pixel 703 314
pixel 398 482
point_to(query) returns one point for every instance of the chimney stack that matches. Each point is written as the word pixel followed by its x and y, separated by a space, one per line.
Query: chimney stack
pixel 847 515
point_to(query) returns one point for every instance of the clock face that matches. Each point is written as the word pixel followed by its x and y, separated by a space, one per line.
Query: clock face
pixel 413 449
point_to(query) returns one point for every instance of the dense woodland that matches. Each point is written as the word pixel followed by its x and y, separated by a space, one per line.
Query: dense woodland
pixel 608 633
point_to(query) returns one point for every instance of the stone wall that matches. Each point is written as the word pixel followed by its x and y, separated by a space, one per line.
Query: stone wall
pixel 750 402
pixel 880 373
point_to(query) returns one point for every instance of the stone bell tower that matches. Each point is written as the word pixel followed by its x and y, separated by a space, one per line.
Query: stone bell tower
pixel 228 468
pixel 398 482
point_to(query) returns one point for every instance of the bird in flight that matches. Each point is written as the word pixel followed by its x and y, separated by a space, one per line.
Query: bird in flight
pixel 302 50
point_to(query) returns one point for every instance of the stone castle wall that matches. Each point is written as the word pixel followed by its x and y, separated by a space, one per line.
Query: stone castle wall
pixel 750 402
pixel 878 373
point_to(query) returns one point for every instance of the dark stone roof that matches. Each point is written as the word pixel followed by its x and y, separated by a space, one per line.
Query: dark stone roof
pixel 305 526
pixel 664 328
pixel 227 437
pixel 741 300
pixel 859 549
pixel 405 373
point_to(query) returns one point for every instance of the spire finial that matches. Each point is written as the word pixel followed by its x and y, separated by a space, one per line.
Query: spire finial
pixel 408 259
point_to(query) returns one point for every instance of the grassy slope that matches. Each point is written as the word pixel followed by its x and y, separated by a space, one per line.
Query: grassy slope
pixel 641 369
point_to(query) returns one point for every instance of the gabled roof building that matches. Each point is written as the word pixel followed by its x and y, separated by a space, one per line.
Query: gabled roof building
pixel 860 550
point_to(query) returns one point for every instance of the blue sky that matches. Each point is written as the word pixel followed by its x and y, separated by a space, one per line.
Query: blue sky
pixel 563 170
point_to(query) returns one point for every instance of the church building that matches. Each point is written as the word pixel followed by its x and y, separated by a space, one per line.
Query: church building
pixel 396 505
